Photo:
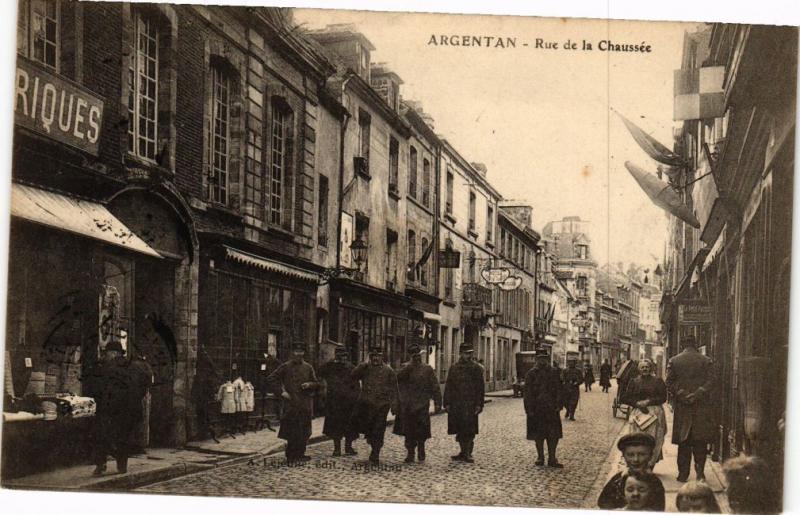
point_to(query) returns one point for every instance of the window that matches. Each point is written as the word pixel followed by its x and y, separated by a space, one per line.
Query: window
pixel 280 133
pixel 143 89
pixel 472 200
pixel 362 233
pixel 364 133
pixel 322 213
pixel 423 273
pixel 38 35
pixel 412 172
pixel 502 242
pixel 582 251
pixel 448 205
pixel 412 254
pixel 580 284
pixel 489 224
pixel 391 260
pixel 448 284
pixel 219 137
pixel 426 183
pixel 394 158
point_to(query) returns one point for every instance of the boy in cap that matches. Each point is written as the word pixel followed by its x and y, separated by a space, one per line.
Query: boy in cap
pixel 299 383
pixel 341 394
pixel 636 448
pixel 378 396
pixel 417 387
pixel 463 400
pixel 542 404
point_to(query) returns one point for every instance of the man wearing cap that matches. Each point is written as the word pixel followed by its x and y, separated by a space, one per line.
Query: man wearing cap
pixel 299 383
pixel 690 380
pixel 636 448
pixel 463 400
pixel 541 399
pixel 572 379
pixel 417 386
pixel 118 401
pixel 378 396
pixel 341 393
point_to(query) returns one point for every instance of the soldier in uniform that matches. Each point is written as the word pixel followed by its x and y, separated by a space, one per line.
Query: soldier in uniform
pixel 341 393
pixel 417 386
pixel 463 400
pixel 541 399
pixel 118 397
pixel 378 396
pixel 572 378
pixel 299 383
pixel 690 380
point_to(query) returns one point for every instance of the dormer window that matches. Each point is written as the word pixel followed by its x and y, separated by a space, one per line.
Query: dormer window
pixel 582 251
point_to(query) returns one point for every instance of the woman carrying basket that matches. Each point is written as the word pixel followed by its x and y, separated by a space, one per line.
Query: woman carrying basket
pixel 646 394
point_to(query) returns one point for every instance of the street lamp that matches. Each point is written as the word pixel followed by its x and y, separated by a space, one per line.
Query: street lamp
pixel 358 250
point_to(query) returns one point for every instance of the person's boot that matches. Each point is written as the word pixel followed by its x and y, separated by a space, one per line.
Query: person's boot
pixel 421 451
pixel 468 452
pixel 409 453
pixel 552 443
pixel 460 455
pixel 348 447
pixel 337 447
pixel 539 453
pixel 99 470
pixel 122 464
pixel 375 455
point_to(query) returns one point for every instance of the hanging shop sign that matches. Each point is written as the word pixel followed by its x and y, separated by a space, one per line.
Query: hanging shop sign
pixel 56 108
pixel 694 314
pixel 449 258
pixel 511 283
pixel 495 275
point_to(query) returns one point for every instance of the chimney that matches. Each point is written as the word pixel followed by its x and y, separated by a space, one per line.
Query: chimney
pixel 349 45
pixel 480 168
pixel 387 84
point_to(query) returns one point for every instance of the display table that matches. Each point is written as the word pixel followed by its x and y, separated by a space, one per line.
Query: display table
pixel 36 445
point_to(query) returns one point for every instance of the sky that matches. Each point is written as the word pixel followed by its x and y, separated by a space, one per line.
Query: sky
pixel 540 119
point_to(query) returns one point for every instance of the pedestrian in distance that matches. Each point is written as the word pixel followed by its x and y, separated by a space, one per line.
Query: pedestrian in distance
pixel 588 376
pixel 646 394
pixel 299 383
pixel 636 449
pixel 605 376
pixel 690 380
pixel 572 378
pixel 640 488
pixel 542 406
pixel 118 393
pixel 417 386
pixel 463 400
pixel 378 397
pixel 696 497
pixel 341 393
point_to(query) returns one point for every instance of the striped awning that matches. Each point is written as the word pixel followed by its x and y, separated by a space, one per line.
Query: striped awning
pixel 246 258
pixel 74 215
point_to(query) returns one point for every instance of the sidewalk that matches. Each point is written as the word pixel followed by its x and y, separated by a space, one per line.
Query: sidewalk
pixel 163 464
pixel 667 471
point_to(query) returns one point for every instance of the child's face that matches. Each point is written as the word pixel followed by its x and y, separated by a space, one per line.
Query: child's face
pixel 693 505
pixel 637 456
pixel 637 494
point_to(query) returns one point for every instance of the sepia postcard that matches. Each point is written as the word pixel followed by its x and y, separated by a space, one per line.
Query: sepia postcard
pixel 396 257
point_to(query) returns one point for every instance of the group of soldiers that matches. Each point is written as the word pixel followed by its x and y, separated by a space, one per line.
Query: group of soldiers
pixel 359 398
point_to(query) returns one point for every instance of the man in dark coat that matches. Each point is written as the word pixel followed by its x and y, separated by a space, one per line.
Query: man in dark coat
pixel 118 397
pixel 690 378
pixel 418 386
pixel 541 399
pixel 299 383
pixel 588 376
pixel 463 400
pixel 571 378
pixel 341 393
pixel 378 397
pixel 605 376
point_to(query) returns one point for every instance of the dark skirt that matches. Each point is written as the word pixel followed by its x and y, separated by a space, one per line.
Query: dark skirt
pixel 414 424
pixel 543 425
pixel 462 420
pixel 339 419
pixel 370 420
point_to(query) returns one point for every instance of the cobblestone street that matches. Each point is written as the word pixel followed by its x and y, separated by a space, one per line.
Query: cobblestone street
pixel 503 473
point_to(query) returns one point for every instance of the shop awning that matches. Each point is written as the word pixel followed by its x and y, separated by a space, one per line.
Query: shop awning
pixel 243 257
pixel 76 216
